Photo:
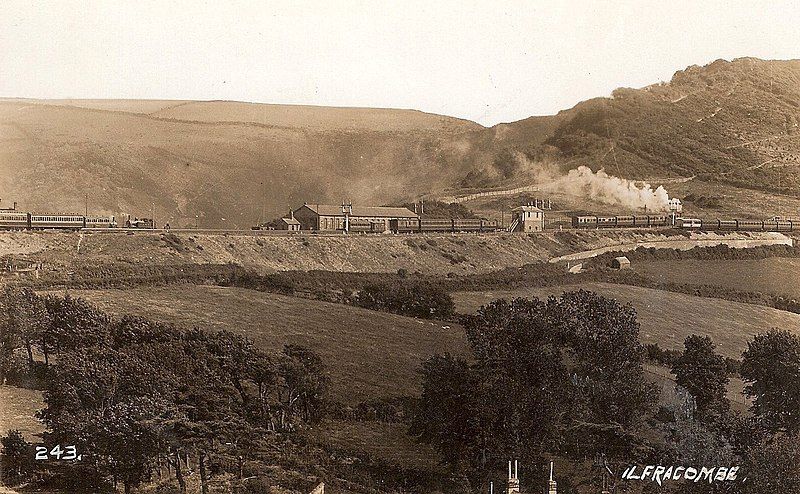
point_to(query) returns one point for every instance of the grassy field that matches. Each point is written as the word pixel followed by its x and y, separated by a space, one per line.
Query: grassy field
pixel 775 275
pixel 667 318
pixel 368 354
pixel 17 409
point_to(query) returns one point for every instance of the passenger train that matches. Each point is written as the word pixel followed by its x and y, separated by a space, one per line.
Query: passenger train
pixel 771 225
pixel 18 220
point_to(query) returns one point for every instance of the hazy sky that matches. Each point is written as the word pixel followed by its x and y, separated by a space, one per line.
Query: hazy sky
pixel 489 61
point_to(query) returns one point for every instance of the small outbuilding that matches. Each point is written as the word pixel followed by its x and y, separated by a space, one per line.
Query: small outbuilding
pixel 290 224
pixel 621 262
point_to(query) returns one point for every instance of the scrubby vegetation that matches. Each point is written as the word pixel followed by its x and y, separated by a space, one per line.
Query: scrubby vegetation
pixel 438 209
pixel 409 299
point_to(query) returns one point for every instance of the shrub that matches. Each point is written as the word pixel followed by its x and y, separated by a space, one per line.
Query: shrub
pixel 17 456
pixel 660 356
pixel 410 299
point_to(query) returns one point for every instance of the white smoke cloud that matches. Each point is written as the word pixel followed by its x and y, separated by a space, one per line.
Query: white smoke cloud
pixel 598 186
pixel 601 187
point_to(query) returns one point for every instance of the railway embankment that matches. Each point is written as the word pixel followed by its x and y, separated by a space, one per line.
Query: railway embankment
pixel 433 254
pixel 699 239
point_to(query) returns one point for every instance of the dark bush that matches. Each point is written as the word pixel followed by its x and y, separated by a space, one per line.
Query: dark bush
pixel 660 356
pixel 410 299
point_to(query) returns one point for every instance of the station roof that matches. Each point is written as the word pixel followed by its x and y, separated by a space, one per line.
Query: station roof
pixel 372 211
pixel 527 207
pixel 290 221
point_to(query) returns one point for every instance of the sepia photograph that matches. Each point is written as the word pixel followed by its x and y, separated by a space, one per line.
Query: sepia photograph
pixel 379 247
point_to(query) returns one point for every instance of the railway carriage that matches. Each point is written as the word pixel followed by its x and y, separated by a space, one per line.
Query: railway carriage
pixel 661 220
pixel 57 221
pixel 750 225
pixel 584 221
pixel 100 222
pixel 11 220
pixel 432 225
pixel 491 226
pixel 404 225
pixel 466 225
pixel 625 221
pixel 606 221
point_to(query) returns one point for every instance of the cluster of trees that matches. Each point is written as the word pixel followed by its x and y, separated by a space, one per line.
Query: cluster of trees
pixel 765 443
pixel 421 300
pixel 564 377
pixel 134 396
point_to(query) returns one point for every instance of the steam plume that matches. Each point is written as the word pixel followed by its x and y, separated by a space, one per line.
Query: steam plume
pixel 605 188
pixel 599 186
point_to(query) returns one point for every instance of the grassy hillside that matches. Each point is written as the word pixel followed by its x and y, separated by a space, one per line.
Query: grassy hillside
pixel 775 275
pixel 735 122
pixel 219 164
pixel 369 354
pixel 667 318
pixel 105 255
pixel 17 411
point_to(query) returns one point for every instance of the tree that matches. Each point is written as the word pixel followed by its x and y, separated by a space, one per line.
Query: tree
pixel 702 372
pixel 771 368
pixel 17 456
pixel 603 337
pixel 558 376
pixel 773 465
pixel 305 382
pixel 446 408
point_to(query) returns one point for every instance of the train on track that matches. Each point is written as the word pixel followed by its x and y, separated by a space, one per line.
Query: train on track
pixel 19 220
pixel 439 225
pixel 774 224
pixel 640 221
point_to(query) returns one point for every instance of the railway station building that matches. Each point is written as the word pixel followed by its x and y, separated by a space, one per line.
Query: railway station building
pixel 327 217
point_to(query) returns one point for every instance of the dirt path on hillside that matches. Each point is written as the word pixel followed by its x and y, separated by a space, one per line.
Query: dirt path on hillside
pixel 771 239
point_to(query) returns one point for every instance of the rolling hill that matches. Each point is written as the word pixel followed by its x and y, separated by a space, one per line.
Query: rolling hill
pixel 369 354
pixel 229 164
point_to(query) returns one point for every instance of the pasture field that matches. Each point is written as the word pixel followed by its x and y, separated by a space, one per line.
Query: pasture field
pixel 368 354
pixel 666 318
pixel 17 409
pixel 774 275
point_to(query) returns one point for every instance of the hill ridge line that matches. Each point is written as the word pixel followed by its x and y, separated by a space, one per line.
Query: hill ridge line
pixel 153 116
